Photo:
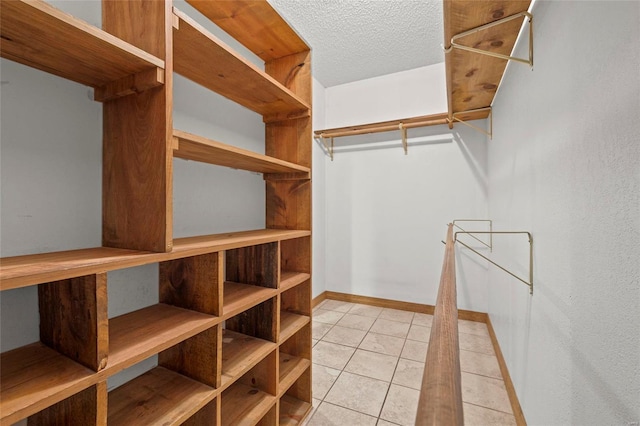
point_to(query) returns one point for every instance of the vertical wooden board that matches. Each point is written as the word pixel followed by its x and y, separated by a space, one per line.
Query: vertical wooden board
pixel 299 344
pixel 259 321
pixel 137 157
pixel 193 283
pixel 74 318
pixel 295 255
pixel 290 140
pixel 197 357
pixel 264 375
pixel 271 418
pixel 297 299
pixel 87 407
pixel 294 73
pixel 301 389
pixel 289 204
pixel 256 265
pixel 209 415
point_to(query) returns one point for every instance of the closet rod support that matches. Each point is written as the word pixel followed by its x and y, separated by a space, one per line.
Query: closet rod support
pixel 529 61
pixel 459 120
pixel 403 133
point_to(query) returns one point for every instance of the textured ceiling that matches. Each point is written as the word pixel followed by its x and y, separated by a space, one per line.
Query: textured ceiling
pixel 356 39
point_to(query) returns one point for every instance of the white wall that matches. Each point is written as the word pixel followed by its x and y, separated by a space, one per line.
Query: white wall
pixel 564 163
pixel 387 212
pixel 51 180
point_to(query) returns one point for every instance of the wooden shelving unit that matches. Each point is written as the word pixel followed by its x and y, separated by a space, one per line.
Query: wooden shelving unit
pixel 232 324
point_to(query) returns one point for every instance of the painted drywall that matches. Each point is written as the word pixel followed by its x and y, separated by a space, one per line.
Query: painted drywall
pixel 51 180
pixel 319 197
pixel 420 91
pixel 386 211
pixel 564 164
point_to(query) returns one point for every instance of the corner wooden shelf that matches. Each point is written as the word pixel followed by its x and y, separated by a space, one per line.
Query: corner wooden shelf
pixel 290 279
pixel 290 323
pixel 198 148
pixel 291 368
pixel 38 35
pixel 292 410
pixel 160 396
pixel 206 60
pixel 34 377
pixel 145 332
pixel 245 405
pixel 240 353
pixel 22 271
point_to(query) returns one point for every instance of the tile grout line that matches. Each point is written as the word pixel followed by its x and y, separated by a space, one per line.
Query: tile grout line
pixel 489 408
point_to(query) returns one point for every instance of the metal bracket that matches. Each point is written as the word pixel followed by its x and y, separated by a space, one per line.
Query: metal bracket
pixel 489 133
pixel 403 133
pixel 528 283
pixel 493 54
pixel 490 245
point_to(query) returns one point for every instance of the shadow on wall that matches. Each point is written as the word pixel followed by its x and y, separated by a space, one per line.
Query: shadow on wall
pixel 475 154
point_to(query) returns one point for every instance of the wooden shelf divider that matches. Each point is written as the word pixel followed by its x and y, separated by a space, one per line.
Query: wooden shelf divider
pixel 198 148
pixel 240 353
pixel 22 271
pixel 160 396
pixel 240 297
pixel 38 35
pixel 243 404
pixel 289 279
pixel 292 410
pixel 291 368
pixel 34 377
pixel 206 60
pixel 290 323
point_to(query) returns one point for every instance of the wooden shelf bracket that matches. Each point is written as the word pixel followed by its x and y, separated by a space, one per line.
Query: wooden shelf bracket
pixel 479 129
pixel 455 45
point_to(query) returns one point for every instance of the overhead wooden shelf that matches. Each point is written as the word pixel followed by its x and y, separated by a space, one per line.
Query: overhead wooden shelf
pixel 292 410
pixel 145 332
pixel 198 148
pixel 240 353
pixel 394 125
pixel 291 368
pixel 38 35
pixel 291 323
pixel 35 377
pixel 240 297
pixel 472 78
pixel 22 271
pixel 254 24
pixel 242 404
pixel 203 58
pixel 289 279
pixel 159 396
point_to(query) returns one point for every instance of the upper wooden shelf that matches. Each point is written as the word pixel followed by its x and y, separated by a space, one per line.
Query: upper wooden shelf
pixel 159 396
pixel 38 35
pixel 198 148
pixel 203 58
pixel 472 78
pixel 22 271
pixel 244 405
pixel 240 353
pixel 35 377
pixel 289 279
pixel 291 368
pixel 255 24
pixel 290 324
pixel 240 297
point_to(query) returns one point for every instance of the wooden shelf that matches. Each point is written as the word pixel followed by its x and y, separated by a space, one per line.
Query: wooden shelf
pixel 159 396
pixel 140 334
pixel 254 24
pixel 472 78
pixel 290 323
pixel 203 58
pixel 22 271
pixel 292 410
pixel 244 405
pixel 198 148
pixel 240 297
pixel 38 35
pixel 240 353
pixel 290 279
pixel 35 377
pixel 291 368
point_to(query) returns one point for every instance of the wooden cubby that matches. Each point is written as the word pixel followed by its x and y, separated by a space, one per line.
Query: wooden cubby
pixel 231 328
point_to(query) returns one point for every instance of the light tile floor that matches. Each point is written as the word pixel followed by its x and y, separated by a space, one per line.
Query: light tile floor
pixel 368 364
